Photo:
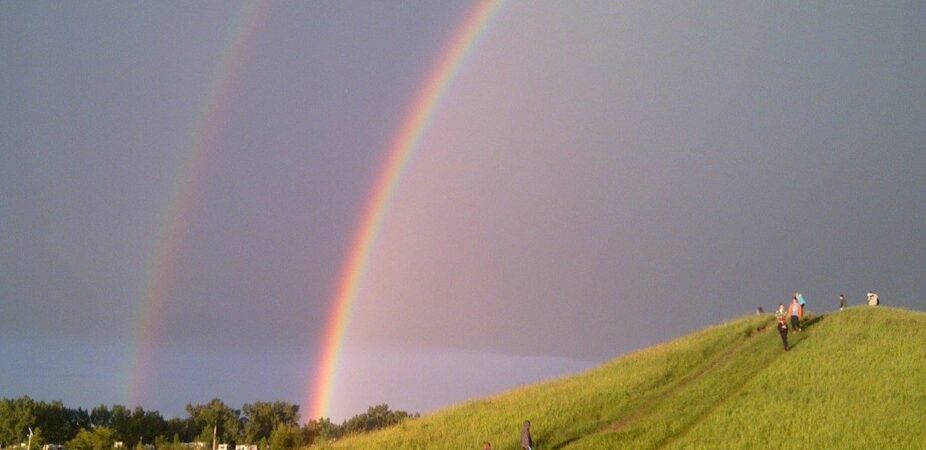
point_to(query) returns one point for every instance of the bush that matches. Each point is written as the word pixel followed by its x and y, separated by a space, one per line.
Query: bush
pixel 286 438
pixel 99 438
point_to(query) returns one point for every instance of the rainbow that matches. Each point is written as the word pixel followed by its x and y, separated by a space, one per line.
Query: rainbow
pixel 398 155
pixel 182 199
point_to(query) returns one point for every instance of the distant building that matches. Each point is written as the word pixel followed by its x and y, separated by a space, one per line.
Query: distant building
pixel 223 446
pixel 245 447
pixel 195 444
pixel 118 444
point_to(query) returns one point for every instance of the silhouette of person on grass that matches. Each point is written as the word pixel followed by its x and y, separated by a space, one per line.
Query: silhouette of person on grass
pixel 781 317
pixel 526 442
pixel 842 301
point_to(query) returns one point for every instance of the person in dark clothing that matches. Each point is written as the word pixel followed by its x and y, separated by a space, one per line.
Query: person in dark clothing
pixel 842 301
pixel 526 442
pixel 781 317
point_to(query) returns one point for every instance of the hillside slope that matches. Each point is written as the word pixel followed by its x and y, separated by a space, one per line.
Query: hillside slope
pixel 853 379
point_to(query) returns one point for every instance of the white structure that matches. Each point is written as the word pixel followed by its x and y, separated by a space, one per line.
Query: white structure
pixel 223 446
pixel 118 444
pixel 245 447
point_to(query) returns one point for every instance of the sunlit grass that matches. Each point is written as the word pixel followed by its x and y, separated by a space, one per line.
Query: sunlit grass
pixel 857 381
pixel 853 379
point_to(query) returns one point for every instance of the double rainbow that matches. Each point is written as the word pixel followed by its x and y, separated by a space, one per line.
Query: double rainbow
pixel 403 146
pixel 172 231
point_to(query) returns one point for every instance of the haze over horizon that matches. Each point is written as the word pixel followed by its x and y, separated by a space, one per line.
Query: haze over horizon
pixel 598 178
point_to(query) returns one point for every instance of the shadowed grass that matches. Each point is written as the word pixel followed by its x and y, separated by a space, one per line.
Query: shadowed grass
pixel 853 379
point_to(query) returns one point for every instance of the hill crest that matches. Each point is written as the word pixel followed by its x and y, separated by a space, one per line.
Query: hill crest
pixel 853 379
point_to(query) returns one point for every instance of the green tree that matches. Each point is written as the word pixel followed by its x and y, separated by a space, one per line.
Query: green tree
pixel 58 422
pixel 38 440
pixel 182 429
pixel 376 417
pixel 322 430
pixel 287 438
pixel 99 438
pixel 215 414
pixel 261 418
pixel 131 426
pixel 16 416
pixel 101 416
pixel 147 425
pixel 120 419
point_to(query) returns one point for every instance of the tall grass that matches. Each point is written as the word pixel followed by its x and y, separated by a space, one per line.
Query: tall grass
pixel 853 379
pixel 857 380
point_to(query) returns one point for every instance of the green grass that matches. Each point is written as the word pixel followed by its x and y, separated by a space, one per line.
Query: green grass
pixel 853 379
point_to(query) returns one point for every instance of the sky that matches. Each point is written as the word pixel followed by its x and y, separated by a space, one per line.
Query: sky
pixel 597 178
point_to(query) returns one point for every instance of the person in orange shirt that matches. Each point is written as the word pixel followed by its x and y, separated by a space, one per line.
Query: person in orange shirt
pixel 795 311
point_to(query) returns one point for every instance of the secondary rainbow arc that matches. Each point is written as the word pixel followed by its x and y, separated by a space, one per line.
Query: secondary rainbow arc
pixel 182 199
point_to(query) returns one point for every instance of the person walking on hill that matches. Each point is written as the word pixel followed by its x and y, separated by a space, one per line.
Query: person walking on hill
pixel 795 311
pixel 873 299
pixel 802 302
pixel 782 317
pixel 526 442
pixel 842 301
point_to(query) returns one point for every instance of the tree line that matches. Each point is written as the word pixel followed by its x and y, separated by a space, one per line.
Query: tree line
pixel 269 425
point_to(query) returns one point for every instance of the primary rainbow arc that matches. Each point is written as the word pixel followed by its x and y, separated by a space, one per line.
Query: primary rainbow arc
pixel 398 155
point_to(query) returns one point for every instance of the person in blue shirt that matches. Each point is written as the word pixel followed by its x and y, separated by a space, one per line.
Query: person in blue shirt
pixel 802 302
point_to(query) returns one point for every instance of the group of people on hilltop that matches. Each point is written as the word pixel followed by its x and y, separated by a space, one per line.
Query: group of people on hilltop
pixel 795 311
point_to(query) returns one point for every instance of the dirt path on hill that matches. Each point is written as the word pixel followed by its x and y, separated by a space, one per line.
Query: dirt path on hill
pixel 707 413
pixel 648 405
pixel 811 320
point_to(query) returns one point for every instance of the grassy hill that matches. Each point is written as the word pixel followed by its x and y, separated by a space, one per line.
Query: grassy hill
pixel 853 379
